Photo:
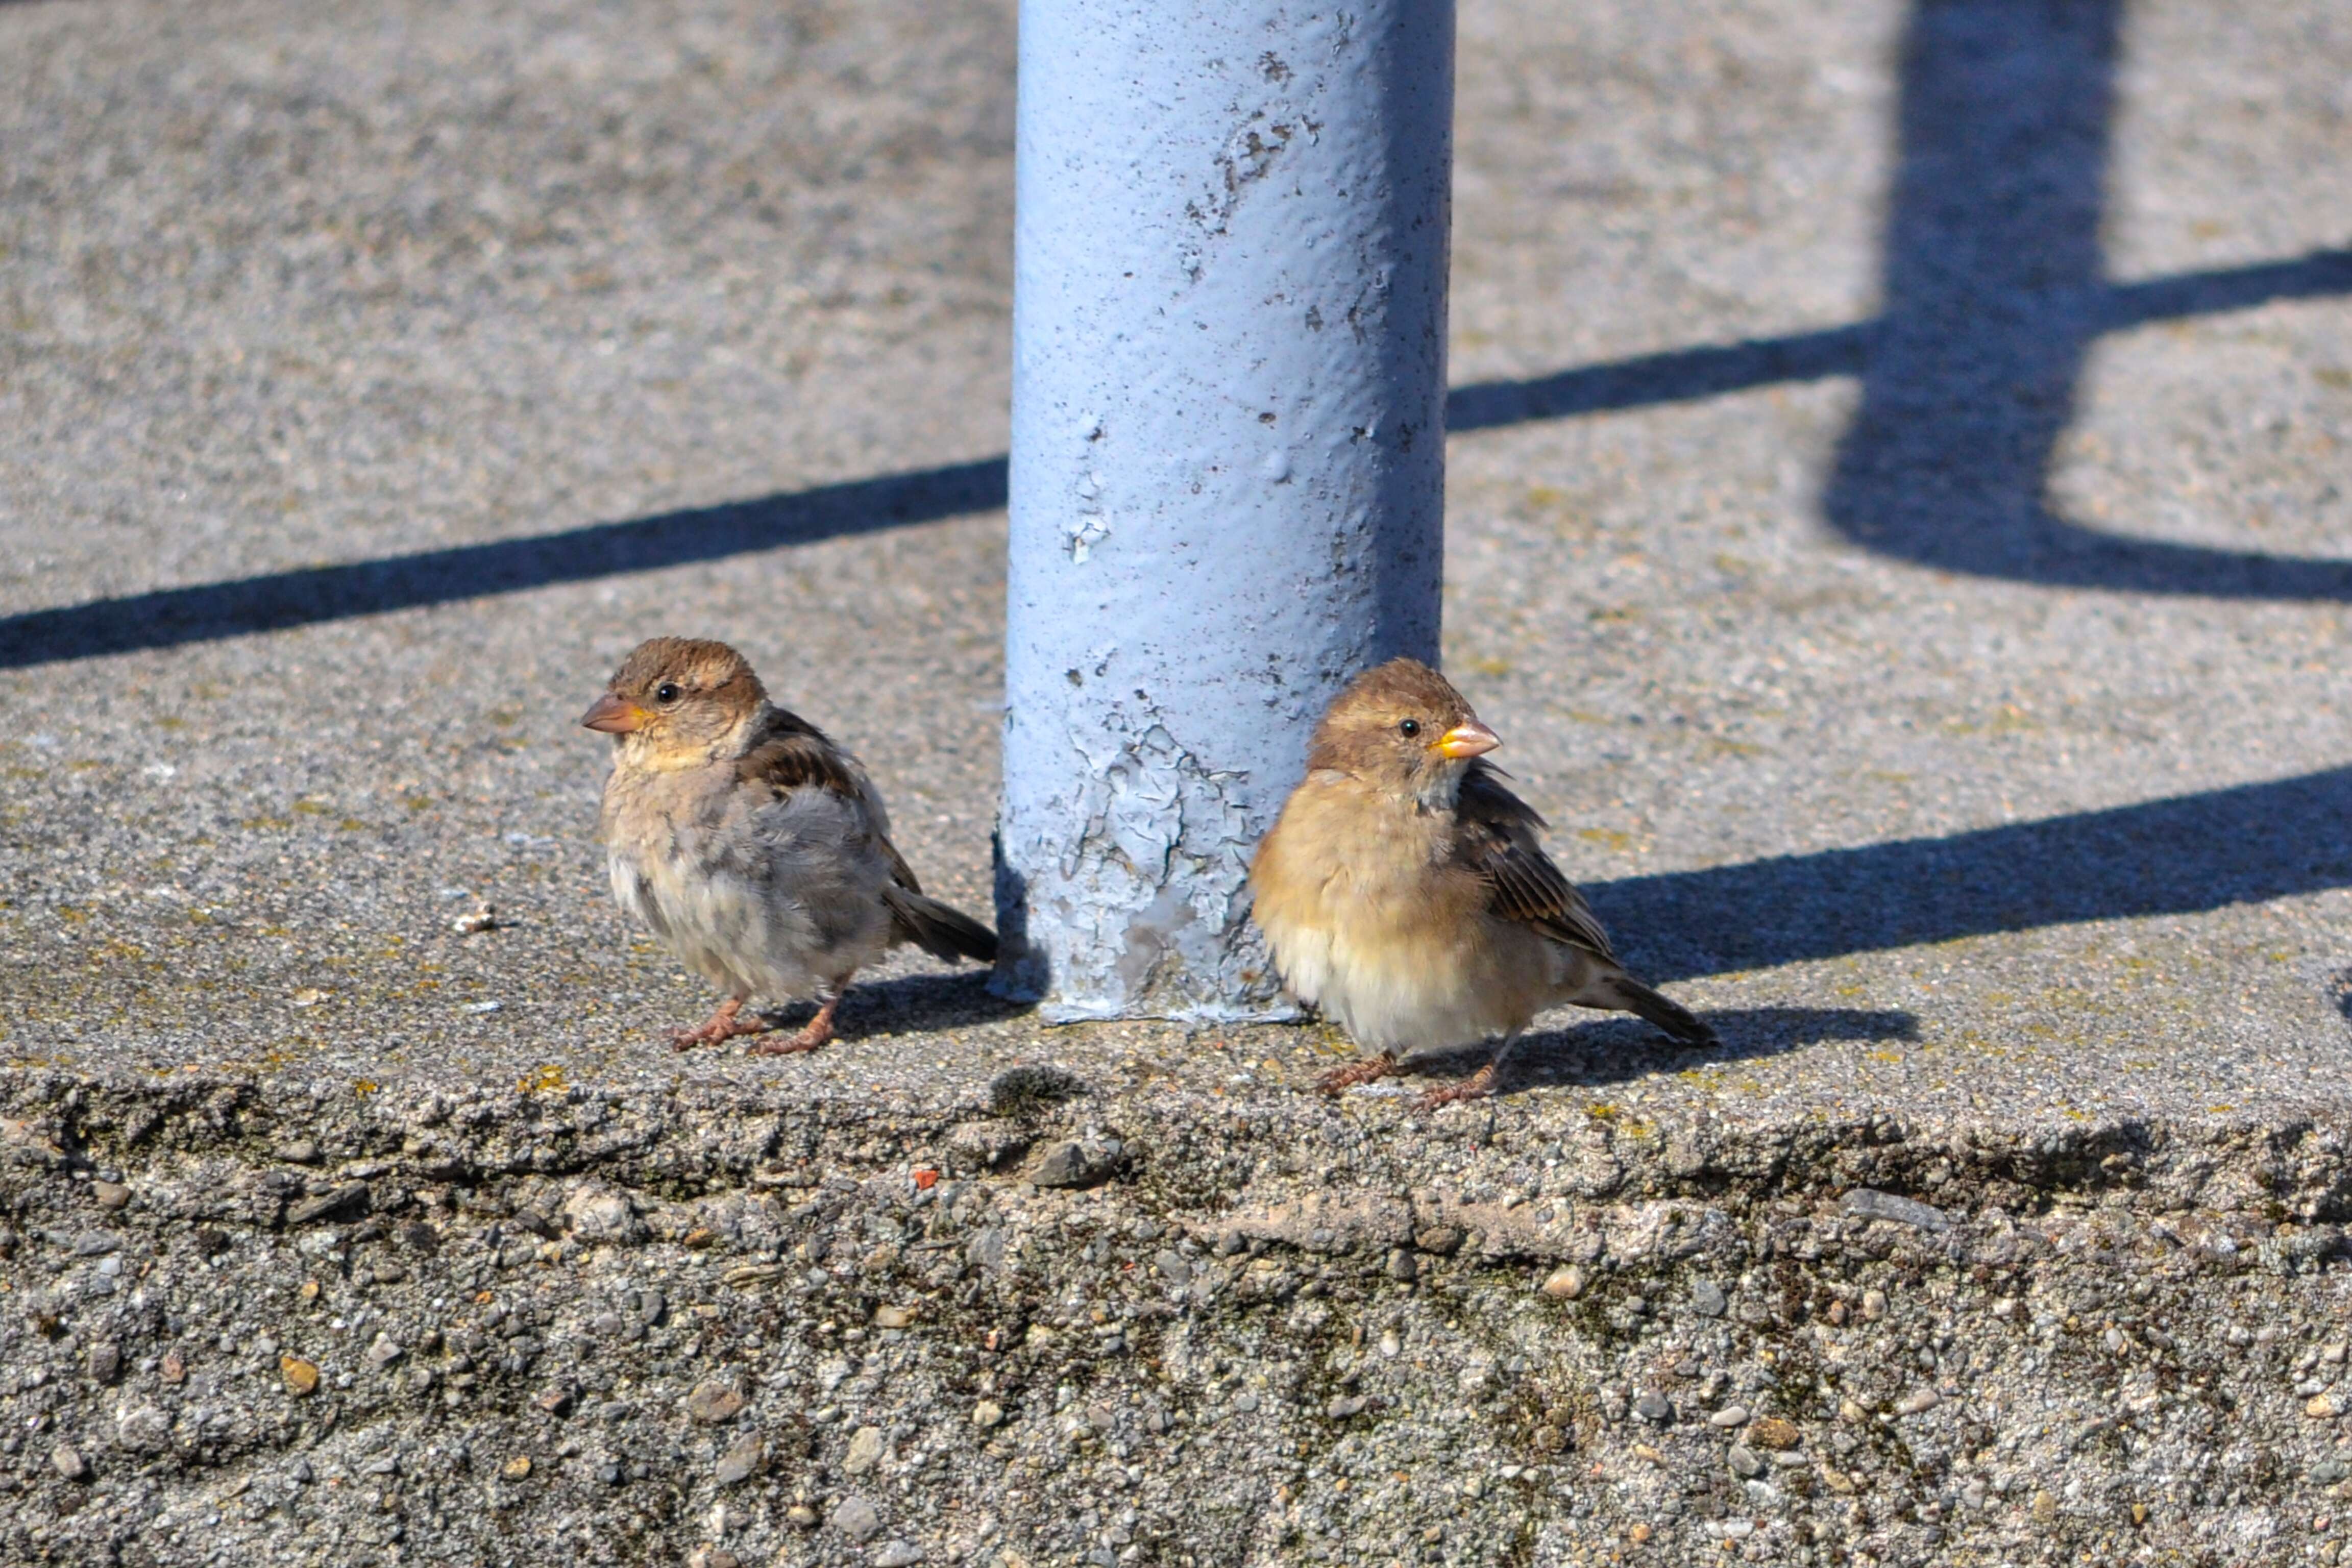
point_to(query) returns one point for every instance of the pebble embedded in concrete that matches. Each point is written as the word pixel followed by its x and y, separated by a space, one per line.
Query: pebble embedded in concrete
pixel 866 1449
pixel 856 1517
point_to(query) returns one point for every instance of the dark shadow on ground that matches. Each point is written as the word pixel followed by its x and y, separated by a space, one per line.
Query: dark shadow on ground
pixel 2177 856
pixel 1995 291
pixel 909 1004
pixel 275 601
pixel 1864 500
pixel 1613 1050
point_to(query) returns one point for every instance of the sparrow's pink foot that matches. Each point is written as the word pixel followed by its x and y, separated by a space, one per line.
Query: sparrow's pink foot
pixel 1477 1086
pixel 723 1025
pixel 819 1031
pixel 1370 1070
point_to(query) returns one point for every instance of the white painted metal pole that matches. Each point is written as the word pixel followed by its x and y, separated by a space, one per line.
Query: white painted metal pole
pixel 1228 459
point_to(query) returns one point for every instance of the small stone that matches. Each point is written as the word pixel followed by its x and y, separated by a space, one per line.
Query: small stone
pixel 517 1468
pixel 2045 1508
pixel 1918 1401
pixel 335 1201
pixel 802 1515
pixel 110 1194
pixel 1729 1416
pixel 2320 1407
pixel 301 1376
pixel 1443 1240
pixel 741 1462
pixel 105 1360
pixel 2139 1513
pixel 384 1352
pixel 894 1316
pixel 987 1415
pixel 1404 1264
pixel 1837 1481
pixel 1654 1406
pixel 896 1554
pixel 865 1450
pixel 1774 1433
pixel 143 1428
pixel 1849 1411
pixel 556 1401
pixel 1390 1345
pixel 483 917
pixel 70 1462
pixel 1073 1163
pixel 301 1151
pixel 174 1368
pixel 1347 1405
pixel 1706 1298
pixel 1745 1462
pixel 307 1293
pixel 1565 1283
pixel 714 1402
pixel 1874 1205
pixel 1874 1305
pixel 1638 1534
pixel 856 1517
pixel 600 1216
pixel 1174 1265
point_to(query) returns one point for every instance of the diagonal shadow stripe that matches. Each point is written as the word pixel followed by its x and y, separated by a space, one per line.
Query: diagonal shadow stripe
pixel 2183 855
pixel 280 599
pixel 170 618
pixel 1994 289
pixel 1678 376
pixel 2315 275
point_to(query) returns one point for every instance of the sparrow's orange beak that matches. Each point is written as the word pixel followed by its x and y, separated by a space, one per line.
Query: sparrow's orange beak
pixel 1470 740
pixel 612 716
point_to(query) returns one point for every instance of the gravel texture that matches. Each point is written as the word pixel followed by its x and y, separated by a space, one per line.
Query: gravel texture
pixel 1897 526
pixel 459 1327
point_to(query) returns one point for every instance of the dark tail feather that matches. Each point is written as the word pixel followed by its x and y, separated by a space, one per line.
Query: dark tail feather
pixel 941 931
pixel 1679 1022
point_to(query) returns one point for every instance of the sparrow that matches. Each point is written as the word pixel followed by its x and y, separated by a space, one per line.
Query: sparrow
pixel 751 846
pixel 1404 892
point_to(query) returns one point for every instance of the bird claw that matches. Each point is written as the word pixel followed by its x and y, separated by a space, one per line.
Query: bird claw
pixel 1477 1086
pixel 716 1031
pixel 813 1038
pixel 1369 1070
pixel 806 1040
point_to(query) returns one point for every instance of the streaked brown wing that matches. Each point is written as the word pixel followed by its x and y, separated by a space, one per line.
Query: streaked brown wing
pixel 1495 837
pixel 792 753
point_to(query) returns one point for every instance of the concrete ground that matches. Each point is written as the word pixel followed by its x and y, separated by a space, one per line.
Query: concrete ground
pixel 1897 521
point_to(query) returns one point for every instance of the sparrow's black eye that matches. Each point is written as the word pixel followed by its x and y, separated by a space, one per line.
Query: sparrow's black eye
pixel 1410 727
pixel 666 693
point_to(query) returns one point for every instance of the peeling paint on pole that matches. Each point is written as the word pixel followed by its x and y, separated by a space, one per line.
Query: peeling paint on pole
pixel 1228 459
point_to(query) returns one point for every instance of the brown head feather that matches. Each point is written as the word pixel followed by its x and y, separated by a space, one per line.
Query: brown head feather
pixel 1384 729
pixel 688 700
pixel 698 666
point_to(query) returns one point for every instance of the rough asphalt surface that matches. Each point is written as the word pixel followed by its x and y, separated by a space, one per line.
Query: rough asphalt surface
pixel 1898 521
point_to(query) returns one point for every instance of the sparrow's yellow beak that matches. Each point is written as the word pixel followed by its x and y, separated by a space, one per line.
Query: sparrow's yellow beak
pixel 1470 740
pixel 612 716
